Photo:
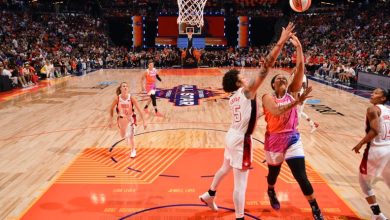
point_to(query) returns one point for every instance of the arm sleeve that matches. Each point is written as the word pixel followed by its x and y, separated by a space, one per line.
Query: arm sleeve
pixel 158 77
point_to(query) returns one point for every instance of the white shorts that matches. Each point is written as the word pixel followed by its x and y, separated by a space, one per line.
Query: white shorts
pixel 150 89
pixel 293 151
pixel 238 149
pixel 376 161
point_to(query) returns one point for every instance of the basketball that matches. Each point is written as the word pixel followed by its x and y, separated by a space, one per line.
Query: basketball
pixel 300 5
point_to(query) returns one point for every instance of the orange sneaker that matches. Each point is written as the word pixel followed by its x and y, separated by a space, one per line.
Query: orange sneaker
pixel 158 114
pixel 314 127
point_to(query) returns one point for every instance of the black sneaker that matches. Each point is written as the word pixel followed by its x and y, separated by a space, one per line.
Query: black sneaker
pixel 273 200
pixel 317 215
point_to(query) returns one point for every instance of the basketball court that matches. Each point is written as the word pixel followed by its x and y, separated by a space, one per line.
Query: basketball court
pixel 60 160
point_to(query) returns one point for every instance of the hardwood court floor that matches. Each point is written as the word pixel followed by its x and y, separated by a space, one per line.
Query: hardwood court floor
pixel 44 134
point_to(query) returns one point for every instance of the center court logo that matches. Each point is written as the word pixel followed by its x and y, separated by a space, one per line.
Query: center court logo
pixel 187 95
pixel 104 84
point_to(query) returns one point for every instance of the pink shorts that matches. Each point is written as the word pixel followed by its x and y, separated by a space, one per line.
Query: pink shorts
pixel 150 89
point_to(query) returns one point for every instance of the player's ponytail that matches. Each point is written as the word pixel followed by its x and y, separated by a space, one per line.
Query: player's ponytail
pixel 118 90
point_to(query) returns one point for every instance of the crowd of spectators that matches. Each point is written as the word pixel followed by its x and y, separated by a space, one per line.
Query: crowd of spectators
pixel 338 44
pixel 62 43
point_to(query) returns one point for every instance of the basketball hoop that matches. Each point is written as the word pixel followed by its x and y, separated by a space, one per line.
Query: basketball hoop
pixel 191 12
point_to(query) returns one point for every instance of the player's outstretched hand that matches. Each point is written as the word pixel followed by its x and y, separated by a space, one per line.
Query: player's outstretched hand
pixel 145 125
pixel 287 32
pixel 295 41
pixel 305 95
pixel 110 123
pixel 357 148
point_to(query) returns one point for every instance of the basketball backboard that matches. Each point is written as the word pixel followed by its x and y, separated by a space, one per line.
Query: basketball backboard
pixel 186 28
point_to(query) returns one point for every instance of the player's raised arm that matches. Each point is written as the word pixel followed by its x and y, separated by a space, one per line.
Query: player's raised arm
pixel 254 84
pixel 296 83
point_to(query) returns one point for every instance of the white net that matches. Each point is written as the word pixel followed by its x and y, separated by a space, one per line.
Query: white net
pixel 191 12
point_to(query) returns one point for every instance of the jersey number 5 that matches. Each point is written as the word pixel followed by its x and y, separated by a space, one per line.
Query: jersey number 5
pixel 237 113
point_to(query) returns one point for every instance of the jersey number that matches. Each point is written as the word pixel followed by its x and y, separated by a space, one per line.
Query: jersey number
pixel 387 131
pixel 237 113
pixel 125 109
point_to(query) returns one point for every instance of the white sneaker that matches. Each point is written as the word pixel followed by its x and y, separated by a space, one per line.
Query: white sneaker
pixel 381 216
pixel 209 201
pixel 133 153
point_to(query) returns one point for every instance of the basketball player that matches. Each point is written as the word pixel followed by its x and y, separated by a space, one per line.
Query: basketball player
pixel 238 150
pixel 189 53
pixel 282 140
pixel 301 113
pixel 189 49
pixel 376 157
pixel 149 86
pixel 124 104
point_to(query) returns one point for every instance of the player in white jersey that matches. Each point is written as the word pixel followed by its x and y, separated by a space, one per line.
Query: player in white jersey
pixel 124 104
pixel 238 150
pixel 301 113
pixel 376 158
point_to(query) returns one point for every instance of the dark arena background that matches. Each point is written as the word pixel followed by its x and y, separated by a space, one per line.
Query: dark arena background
pixel 62 155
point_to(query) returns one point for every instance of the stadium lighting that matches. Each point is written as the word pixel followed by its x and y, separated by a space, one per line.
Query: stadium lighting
pixel 327 3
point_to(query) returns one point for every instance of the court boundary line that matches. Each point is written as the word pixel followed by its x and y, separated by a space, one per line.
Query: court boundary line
pixel 182 205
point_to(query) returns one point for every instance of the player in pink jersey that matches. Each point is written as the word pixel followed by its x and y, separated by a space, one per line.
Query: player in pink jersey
pixel 238 149
pixel 376 157
pixel 124 104
pixel 282 140
pixel 150 77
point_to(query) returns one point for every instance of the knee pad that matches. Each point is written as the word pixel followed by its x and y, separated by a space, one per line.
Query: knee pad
pixel 273 173
pixel 297 167
pixel 305 185
pixel 153 97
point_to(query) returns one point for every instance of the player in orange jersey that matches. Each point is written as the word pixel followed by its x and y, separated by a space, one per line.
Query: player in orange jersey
pixel 150 77
pixel 238 149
